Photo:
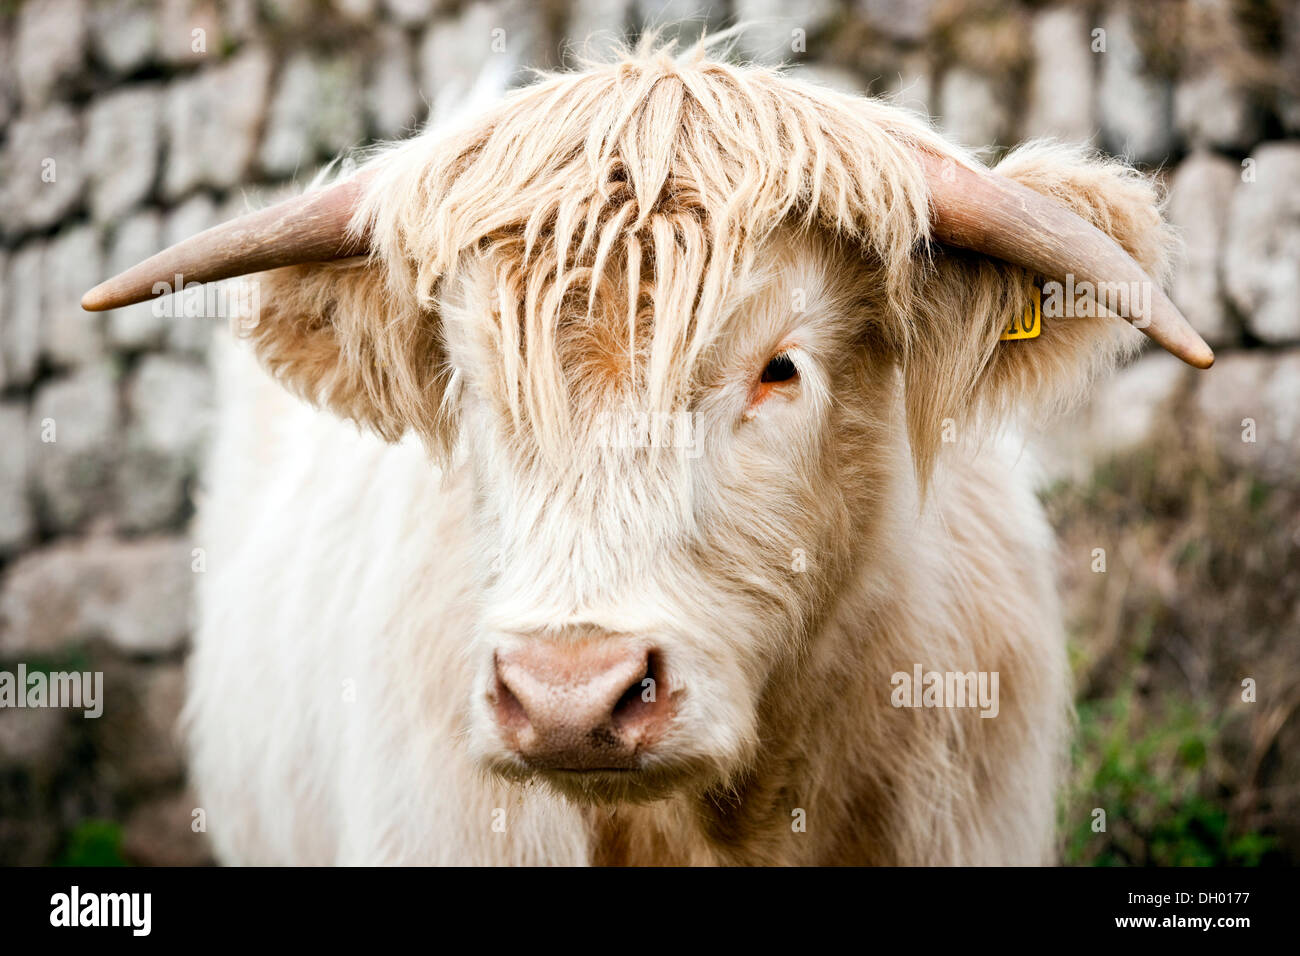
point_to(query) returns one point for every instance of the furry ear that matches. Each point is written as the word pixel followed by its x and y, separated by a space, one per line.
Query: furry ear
pixel 333 334
pixel 955 366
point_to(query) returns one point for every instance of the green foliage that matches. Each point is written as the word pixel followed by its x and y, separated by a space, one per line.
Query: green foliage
pixel 1152 775
pixel 1202 577
pixel 94 843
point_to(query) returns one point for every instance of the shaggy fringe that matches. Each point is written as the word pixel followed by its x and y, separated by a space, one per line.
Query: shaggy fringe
pixel 598 229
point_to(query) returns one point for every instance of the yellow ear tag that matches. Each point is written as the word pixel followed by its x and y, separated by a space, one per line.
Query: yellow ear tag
pixel 1026 326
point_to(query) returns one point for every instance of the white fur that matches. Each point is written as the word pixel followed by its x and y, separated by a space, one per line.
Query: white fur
pixel 631 237
pixel 337 561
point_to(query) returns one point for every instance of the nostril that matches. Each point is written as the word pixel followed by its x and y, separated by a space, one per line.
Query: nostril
pixel 510 712
pixel 640 702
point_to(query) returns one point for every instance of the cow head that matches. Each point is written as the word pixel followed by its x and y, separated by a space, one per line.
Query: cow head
pixel 692 334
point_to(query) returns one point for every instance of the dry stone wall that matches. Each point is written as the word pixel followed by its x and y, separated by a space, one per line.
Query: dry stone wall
pixel 127 124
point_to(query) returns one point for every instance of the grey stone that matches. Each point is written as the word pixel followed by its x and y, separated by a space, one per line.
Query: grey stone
pixel 213 120
pixel 392 98
pixel 316 111
pixel 1136 109
pixel 973 112
pixel 1210 111
pixel 22 314
pixel 4 316
pixel 410 12
pixel 1262 259
pixel 778 32
pixel 596 28
pixel 42 174
pixel 682 20
pixel 134 594
pixel 903 20
pixel 1250 407
pixel 488 43
pixel 239 20
pixel 1061 84
pixel 124 34
pixel 73 447
pixel 1122 414
pixel 8 82
pixel 1199 199
pixel 122 147
pixel 912 86
pixel 49 47
pixel 452 53
pixel 71 336
pixel 251 198
pixel 193 215
pixel 16 521
pixel 170 401
pixel 831 77
pixel 1128 408
pixel 339 119
pixel 168 405
pixel 289 139
pixel 141 325
pixel 189 31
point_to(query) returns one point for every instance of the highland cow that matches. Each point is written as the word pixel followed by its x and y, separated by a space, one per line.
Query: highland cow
pixel 595 466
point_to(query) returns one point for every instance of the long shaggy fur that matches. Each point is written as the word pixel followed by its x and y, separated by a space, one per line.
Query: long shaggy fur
pixel 641 237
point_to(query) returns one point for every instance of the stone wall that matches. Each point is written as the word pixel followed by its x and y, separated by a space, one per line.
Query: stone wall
pixel 126 125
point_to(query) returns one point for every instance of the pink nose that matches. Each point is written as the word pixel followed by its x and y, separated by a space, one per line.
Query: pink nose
pixel 586 706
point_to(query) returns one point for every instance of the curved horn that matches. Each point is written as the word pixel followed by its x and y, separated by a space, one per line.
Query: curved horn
pixel 308 228
pixel 988 213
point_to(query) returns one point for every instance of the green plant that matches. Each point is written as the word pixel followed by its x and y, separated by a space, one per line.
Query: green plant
pixel 94 843
pixel 1150 770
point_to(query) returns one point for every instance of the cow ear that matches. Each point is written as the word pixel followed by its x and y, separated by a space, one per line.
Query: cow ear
pixel 960 373
pixel 333 334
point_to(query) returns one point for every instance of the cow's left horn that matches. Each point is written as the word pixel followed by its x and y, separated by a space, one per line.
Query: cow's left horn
pixel 988 213
pixel 308 228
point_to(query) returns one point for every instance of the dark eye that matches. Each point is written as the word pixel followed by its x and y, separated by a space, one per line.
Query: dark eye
pixel 779 369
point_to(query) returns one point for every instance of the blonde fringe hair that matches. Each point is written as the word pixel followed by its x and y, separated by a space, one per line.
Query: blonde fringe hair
pixel 620 209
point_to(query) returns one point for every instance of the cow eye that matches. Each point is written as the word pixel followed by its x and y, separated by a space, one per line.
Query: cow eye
pixel 779 368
